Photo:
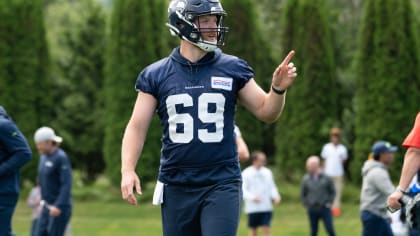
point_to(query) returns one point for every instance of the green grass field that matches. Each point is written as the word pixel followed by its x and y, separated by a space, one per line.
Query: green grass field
pixel 120 219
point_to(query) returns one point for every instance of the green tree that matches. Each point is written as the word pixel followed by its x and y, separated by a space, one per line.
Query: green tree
pixel 311 103
pixel 245 40
pixel 24 83
pixel 77 38
pixel 271 18
pixel 388 81
pixel 137 38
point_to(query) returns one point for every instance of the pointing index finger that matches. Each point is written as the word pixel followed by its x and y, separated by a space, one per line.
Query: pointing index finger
pixel 288 58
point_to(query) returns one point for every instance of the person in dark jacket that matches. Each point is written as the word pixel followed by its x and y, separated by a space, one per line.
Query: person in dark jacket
pixel 14 153
pixel 317 194
pixel 54 173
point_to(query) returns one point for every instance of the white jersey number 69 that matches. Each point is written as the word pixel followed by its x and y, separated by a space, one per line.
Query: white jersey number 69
pixel 187 120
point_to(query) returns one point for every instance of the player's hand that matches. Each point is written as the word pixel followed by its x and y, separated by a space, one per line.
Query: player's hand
pixel 285 73
pixel 129 181
pixel 54 211
pixel 393 200
pixel 257 199
pixel 276 201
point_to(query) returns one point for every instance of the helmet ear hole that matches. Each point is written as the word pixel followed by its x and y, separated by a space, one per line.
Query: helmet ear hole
pixel 194 35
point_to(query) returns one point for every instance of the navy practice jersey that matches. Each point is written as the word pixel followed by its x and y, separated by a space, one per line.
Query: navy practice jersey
pixel 55 179
pixel 196 106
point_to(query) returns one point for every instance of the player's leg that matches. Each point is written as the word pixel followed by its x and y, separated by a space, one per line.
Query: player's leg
pixel 33 226
pixel 371 224
pixel 328 221
pixel 57 225
pixel 6 213
pixel 266 230
pixel 387 228
pixel 252 232
pixel 252 224
pixel 180 211
pixel 222 209
pixel 338 185
pixel 314 216
pixel 265 222
pixel 42 224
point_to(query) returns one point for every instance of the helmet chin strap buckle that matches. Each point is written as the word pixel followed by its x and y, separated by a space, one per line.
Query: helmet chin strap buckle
pixel 206 46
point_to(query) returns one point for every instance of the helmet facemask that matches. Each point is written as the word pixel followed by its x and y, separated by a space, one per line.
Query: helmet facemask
pixel 220 33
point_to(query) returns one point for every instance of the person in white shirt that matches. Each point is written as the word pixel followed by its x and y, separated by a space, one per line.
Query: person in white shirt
pixel 259 191
pixel 334 156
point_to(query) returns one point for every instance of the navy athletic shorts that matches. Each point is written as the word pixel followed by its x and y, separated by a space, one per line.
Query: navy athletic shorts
pixel 259 219
pixel 202 210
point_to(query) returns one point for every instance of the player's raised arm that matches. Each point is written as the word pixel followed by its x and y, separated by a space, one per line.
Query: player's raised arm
pixel 132 144
pixel 268 106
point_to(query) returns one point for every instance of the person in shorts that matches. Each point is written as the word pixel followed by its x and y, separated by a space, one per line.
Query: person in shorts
pixel 260 192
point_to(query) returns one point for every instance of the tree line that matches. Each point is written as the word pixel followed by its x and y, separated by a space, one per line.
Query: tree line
pixel 72 65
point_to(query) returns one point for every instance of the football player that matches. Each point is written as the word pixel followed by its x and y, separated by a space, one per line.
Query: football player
pixel 194 91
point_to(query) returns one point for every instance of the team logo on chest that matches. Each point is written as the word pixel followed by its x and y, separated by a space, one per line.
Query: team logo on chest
pixel 49 164
pixel 221 83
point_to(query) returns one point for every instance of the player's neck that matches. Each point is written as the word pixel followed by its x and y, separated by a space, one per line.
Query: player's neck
pixel 191 52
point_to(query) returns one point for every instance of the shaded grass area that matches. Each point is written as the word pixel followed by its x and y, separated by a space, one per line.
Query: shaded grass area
pixel 116 218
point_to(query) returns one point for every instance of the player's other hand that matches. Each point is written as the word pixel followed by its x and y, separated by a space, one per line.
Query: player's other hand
pixel 285 73
pixel 393 200
pixel 276 201
pixel 257 199
pixel 129 182
pixel 54 211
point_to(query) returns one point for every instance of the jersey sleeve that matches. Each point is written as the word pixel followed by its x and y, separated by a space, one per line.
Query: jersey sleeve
pixel 65 176
pixel 413 138
pixel 16 147
pixel 244 73
pixel 145 83
pixel 324 152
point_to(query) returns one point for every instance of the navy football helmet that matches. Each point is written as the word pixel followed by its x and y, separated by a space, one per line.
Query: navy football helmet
pixel 182 15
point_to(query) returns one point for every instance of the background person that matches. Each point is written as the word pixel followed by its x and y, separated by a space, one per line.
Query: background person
pixel 334 155
pixel 376 187
pixel 14 153
pixel 260 191
pixel 34 202
pixel 54 173
pixel 317 194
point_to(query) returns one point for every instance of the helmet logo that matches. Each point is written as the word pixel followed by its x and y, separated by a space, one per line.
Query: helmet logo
pixel 178 5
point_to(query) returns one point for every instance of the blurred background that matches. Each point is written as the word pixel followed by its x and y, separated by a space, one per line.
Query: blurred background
pixel 72 65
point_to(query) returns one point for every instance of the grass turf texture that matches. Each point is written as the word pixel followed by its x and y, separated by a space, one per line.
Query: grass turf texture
pixel 118 218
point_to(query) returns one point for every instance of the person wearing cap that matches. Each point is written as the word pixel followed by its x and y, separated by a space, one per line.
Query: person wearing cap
pixel 376 187
pixel 334 155
pixel 14 153
pixel 411 165
pixel 54 173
